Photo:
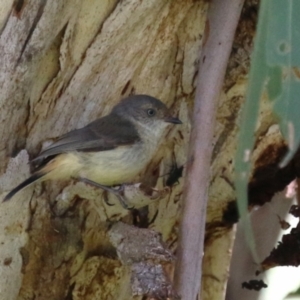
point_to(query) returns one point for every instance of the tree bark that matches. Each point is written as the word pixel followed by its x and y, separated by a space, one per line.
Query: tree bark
pixel 63 64
pixel 222 20
pixel 66 63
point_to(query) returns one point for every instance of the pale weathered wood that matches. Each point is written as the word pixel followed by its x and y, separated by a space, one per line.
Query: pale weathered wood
pixel 63 64
pixel 223 17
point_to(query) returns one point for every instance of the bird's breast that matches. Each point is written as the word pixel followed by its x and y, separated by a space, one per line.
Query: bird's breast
pixel 116 166
pixel 110 167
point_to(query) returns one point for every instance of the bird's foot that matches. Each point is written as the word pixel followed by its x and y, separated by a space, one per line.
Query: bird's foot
pixel 118 192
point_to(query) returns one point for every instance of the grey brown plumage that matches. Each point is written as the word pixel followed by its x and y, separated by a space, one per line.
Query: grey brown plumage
pixel 110 150
pixel 96 136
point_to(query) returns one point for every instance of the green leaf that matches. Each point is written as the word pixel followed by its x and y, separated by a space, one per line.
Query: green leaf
pixel 275 69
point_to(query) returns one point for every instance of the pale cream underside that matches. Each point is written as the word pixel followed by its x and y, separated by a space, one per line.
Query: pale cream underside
pixel 111 167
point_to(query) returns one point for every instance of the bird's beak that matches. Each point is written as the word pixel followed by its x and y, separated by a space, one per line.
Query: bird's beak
pixel 173 120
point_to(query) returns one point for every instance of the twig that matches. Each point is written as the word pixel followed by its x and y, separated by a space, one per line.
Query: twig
pixel 223 16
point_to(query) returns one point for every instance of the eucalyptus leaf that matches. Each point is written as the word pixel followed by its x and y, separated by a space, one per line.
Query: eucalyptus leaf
pixel 275 70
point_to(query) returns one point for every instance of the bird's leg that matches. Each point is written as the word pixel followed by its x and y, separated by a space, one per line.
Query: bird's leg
pixel 119 192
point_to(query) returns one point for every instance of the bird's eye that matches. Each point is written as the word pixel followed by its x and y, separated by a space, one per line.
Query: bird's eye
pixel 151 112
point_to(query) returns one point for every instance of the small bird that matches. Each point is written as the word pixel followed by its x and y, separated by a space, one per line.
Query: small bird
pixel 110 151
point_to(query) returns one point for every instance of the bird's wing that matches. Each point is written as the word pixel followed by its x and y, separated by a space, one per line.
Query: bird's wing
pixel 106 133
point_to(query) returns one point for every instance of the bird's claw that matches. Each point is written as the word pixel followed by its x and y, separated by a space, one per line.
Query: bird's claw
pixel 119 192
pixel 105 198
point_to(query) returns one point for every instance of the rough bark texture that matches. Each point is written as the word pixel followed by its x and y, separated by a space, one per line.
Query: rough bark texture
pixel 65 63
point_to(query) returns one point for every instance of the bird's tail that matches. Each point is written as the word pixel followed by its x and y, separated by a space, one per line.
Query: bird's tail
pixel 34 177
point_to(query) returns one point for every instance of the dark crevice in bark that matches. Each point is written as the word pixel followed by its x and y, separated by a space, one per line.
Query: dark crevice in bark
pixel 33 26
pixel 268 178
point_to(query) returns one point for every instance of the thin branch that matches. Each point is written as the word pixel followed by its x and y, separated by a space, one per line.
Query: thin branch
pixel 222 20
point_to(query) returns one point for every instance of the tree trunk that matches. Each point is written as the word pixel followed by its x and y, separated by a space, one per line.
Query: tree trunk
pixel 66 63
pixel 63 64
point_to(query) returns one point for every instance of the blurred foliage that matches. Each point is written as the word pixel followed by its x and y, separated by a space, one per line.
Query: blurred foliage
pixel 275 71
